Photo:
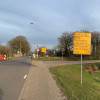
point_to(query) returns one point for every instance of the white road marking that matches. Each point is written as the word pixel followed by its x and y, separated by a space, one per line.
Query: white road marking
pixel 25 76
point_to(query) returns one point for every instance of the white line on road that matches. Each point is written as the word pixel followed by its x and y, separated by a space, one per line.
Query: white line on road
pixel 25 76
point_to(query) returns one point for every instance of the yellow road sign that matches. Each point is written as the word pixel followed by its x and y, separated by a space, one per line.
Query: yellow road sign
pixel 43 50
pixel 82 43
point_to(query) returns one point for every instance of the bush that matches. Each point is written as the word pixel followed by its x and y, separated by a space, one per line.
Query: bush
pixel 88 68
pixel 95 68
pixel 91 67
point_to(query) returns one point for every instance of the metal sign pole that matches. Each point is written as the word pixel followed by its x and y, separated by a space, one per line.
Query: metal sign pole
pixel 62 54
pixel 81 68
pixel 37 54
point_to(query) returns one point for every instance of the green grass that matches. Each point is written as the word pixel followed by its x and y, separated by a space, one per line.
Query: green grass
pixel 68 77
pixel 51 59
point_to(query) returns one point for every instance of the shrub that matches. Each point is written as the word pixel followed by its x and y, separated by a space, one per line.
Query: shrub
pixel 95 68
pixel 88 68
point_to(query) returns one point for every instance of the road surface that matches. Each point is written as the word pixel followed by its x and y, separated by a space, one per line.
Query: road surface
pixel 13 74
pixel 12 77
pixel 57 63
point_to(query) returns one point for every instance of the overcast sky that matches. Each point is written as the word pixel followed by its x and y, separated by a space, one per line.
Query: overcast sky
pixel 50 17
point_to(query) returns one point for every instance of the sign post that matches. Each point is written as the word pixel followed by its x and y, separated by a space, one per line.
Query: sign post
pixel 43 50
pixel 82 45
pixel 81 68
pixel 37 52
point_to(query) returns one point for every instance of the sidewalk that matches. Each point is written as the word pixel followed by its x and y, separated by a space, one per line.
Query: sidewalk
pixel 40 85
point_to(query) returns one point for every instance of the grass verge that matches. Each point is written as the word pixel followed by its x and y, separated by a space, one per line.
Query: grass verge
pixel 51 59
pixel 68 76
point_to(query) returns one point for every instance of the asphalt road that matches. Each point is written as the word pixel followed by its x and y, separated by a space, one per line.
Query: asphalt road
pixel 57 63
pixel 12 77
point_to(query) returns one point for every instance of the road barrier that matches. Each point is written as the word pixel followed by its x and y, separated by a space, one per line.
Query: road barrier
pixel 3 57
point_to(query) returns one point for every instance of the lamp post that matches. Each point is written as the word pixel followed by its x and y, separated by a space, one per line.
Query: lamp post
pixel 37 44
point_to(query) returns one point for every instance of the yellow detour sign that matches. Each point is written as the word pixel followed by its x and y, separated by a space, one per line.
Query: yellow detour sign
pixel 82 43
pixel 43 50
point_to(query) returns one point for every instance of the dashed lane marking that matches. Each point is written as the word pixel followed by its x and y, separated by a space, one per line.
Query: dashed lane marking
pixel 25 76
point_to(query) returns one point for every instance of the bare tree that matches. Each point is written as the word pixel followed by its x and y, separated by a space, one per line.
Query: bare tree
pixel 5 50
pixel 95 40
pixel 20 45
pixel 66 43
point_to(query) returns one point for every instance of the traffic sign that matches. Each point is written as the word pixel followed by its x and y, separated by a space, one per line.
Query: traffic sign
pixel 37 50
pixel 43 50
pixel 82 43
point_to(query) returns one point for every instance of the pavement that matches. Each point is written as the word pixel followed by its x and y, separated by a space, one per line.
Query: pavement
pixel 40 84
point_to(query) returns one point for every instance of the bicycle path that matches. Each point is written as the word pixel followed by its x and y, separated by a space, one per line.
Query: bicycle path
pixel 40 84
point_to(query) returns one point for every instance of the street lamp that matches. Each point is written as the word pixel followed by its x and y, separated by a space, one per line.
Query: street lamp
pixel 37 45
pixel 31 23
